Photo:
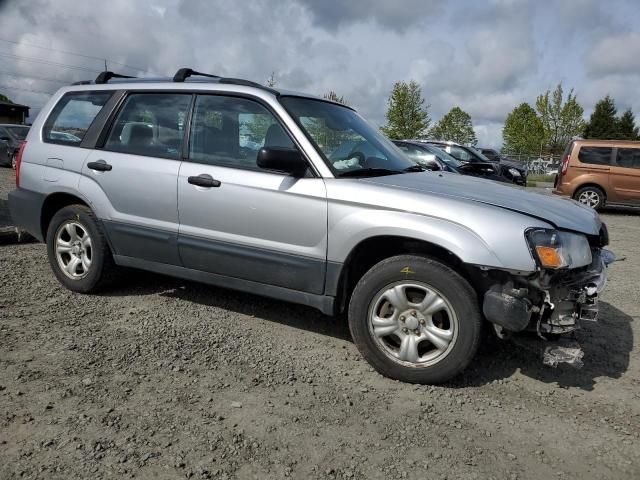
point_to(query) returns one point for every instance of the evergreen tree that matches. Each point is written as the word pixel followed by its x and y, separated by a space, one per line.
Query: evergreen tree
pixel 626 127
pixel 407 117
pixel 603 123
pixel 523 131
pixel 4 98
pixel 455 126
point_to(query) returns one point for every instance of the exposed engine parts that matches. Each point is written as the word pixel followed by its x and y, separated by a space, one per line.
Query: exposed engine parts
pixel 548 304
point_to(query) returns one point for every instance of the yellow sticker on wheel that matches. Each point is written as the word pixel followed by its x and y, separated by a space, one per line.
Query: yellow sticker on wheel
pixel 407 270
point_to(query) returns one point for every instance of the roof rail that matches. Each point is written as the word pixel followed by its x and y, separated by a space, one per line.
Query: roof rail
pixel 184 73
pixel 105 76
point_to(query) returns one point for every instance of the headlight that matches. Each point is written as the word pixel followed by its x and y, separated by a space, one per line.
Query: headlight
pixel 557 249
pixel 514 172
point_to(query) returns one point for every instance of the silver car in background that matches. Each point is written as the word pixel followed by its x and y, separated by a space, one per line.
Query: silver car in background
pixel 290 196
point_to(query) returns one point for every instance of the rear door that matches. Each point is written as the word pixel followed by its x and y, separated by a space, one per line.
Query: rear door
pixel 624 176
pixel 238 220
pixel 135 172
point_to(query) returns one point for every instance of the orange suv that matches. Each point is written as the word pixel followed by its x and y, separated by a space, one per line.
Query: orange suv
pixel 599 172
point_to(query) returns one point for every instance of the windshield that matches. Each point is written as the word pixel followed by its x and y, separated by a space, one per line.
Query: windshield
pixel 19 132
pixel 444 156
pixel 482 156
pixel 350 146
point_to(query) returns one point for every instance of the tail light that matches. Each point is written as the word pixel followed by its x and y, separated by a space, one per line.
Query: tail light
pixel 565 164
pixel 19 162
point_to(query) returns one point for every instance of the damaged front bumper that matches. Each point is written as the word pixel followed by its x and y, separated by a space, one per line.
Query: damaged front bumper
pixel 549 304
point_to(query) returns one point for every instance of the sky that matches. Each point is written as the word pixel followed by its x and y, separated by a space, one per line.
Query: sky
pixel 485 56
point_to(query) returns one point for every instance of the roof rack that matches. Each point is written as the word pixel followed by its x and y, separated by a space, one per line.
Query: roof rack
pixel 184 73
pixel 105 76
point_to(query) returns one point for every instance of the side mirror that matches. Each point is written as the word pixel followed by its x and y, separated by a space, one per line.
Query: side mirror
pixel 285 160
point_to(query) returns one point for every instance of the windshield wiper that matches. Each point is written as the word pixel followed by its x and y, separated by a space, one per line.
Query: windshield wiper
pixel 415 168
pixel 369 172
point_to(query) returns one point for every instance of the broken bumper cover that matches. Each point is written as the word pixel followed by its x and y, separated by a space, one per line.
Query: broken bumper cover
pixel 550 303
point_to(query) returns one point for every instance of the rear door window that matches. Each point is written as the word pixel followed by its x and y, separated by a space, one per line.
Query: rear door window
pixel 628 157
pixel 73 115
pixel 150 124
pixel 595 155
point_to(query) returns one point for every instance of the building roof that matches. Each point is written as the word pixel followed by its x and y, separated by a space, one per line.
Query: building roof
pixel 14 105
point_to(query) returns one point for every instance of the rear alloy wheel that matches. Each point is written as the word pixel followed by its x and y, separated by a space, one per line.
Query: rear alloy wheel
pixel 591 197
pixel 415 319
pixel 77 249
pixel 74 250
pixel 14 161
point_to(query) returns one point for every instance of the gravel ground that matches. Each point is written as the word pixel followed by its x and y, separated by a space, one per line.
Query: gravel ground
pixel 161 378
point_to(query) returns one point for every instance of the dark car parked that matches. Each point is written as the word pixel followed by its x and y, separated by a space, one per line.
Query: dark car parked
pixel 11 136
pixel 434 158
pixel 494 156
pixel 509 170
pixel 469 165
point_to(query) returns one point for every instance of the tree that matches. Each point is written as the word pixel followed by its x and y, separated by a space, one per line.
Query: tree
pixel 333 96
pixel 603 123
pixel 407 117
pixel 4 98
pixel 626 127
pixel 271 81
pixel 561 120
pixel 456 126
pixel 523 131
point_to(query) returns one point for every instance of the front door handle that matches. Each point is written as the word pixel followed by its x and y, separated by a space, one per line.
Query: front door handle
pixel 204 180
pixel 99 166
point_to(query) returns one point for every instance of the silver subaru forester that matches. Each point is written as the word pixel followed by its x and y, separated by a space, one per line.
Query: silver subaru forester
pixel 282 194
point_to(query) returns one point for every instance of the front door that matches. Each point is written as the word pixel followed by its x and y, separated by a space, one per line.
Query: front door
pixel 240 221
pixel 135 174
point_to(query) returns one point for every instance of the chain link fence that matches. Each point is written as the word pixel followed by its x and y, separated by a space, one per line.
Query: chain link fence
pixel 537 164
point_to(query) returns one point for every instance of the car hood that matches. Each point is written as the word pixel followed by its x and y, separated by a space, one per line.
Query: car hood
pixel 561 212
pixel 513 163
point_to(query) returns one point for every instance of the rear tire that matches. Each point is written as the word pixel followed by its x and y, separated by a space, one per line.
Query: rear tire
pixel 14 161
pixel 78 251
pixel 591 196
pixel 415 319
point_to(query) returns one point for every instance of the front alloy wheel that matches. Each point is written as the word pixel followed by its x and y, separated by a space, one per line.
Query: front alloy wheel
pixel 413 324
pixel 415 319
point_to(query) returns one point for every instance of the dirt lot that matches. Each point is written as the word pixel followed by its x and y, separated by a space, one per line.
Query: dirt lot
pixel 160 378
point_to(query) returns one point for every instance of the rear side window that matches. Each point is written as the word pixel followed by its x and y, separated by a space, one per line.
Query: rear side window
pixel 150 124
pixel 628 157
pixel 595 155
pixel 73 115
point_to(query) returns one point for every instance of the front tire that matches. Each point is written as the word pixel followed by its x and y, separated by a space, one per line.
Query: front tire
pixel 591 196
pixel 415 319
pixel 77 249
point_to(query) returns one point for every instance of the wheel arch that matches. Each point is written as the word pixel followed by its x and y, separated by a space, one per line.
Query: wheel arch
pixel 590 184
pixel 343 277
pixel 53 203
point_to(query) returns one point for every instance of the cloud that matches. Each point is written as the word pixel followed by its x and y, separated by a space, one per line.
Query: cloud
pixel 486 57
pixel 332 15
pixel 617 54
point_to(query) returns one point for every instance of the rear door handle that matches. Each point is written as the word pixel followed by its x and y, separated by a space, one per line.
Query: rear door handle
pixel 204 180
pixel 99 166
